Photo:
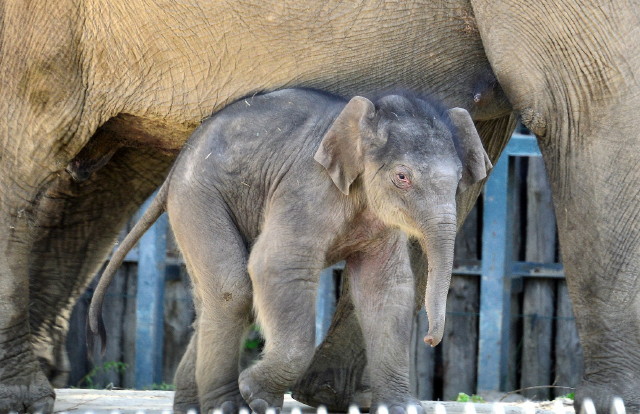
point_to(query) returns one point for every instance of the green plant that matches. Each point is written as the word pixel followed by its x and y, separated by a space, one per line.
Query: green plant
pixel 462 397
pixel 160 387
pixel 570 396
pixel 88 381
pixel 254 340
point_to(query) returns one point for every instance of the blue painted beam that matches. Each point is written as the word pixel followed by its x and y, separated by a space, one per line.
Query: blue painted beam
pixel 518 269
pixel 547 270
pixel 495 286
pixel 149 303
pixel 325 301
pixel 522 146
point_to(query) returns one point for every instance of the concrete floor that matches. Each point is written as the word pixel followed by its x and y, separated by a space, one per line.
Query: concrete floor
pixel 131 402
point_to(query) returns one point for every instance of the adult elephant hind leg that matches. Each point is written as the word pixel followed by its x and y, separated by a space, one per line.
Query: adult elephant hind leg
pixel 577 87
pixel 216 257
pixel 77 229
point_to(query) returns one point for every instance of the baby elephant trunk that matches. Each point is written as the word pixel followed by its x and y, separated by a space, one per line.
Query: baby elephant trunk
pixel 438 244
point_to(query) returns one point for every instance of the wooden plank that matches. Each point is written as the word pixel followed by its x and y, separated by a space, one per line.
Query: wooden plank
pixel 568 353
pixel 460 342
pixel 108 366
pixel 539 294
pixel 516 232
pixel 179 315
pixel 422 360
pixel 129 325
pixel 76 341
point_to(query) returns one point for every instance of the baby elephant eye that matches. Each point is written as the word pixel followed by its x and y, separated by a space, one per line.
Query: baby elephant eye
pixel 401 178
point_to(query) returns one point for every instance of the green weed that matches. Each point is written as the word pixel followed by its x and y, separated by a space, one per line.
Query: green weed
pixel 88 381
pixel 462 397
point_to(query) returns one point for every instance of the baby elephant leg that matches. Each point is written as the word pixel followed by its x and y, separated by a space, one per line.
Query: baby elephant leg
pixel 382 289
pixel 284 274
pixel 216 258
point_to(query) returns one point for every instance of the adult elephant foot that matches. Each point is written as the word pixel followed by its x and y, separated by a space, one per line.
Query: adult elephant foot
pixel 33 395
pixel 51 348
pixel 602 391
pixel 54 362
pixel 23 387
pixel 335 377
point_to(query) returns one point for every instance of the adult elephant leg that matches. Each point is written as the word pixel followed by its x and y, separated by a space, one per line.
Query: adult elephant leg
pixel 77 230
pixel 42 102
pixel 23 385
pixel 576 84
pixel 335 377
pixel 597 199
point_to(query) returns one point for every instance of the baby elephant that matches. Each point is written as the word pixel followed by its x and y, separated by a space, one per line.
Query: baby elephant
pixel 274 188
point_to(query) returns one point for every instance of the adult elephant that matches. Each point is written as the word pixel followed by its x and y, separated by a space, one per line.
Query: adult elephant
pixel 139 76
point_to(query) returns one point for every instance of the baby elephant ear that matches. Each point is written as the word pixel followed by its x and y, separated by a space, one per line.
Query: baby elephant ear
pixel 476 162
pixel 341 151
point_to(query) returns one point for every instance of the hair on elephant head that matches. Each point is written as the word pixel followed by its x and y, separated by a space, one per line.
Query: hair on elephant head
pixel 413 157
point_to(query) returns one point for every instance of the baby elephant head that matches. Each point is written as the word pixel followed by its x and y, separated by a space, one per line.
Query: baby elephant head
pixel 412 159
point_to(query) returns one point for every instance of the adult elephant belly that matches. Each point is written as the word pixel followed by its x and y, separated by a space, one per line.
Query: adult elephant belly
pixel 175 65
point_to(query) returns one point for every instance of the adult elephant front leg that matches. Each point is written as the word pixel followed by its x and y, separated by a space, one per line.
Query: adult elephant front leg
pixel 78 225
pixel 595 190
pixel 577 86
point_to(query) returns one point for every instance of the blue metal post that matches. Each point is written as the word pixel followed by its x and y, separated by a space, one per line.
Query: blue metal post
pixel 495 287
pixel 326 301
pixel 149 303
pixel 497 265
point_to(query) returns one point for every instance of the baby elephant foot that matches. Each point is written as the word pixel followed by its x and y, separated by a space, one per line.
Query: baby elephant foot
pixel 256 394
pixel 226 399
pixel 185 400
pixel 411 406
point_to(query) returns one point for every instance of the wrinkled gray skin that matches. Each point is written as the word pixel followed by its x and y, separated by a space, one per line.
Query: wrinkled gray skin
pixel 276 187
pixel 146 73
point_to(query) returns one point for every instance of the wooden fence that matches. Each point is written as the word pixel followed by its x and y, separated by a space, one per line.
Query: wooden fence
pixel 541 348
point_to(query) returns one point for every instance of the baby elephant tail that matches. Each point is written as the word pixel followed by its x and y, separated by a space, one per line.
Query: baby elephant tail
pixel 95 323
